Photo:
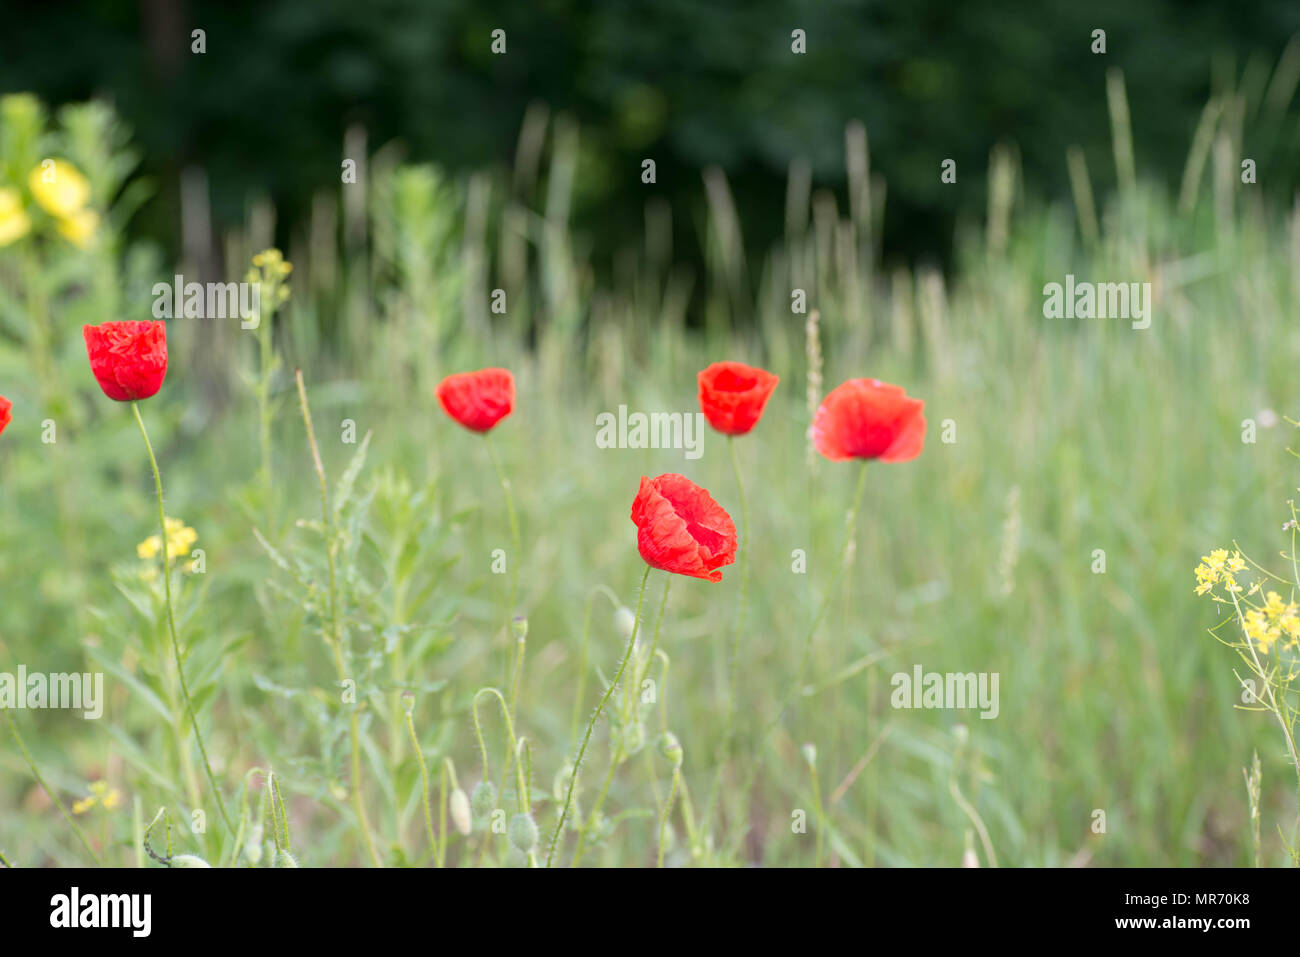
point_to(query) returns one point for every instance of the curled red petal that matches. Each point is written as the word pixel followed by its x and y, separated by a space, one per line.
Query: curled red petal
pixel 681 529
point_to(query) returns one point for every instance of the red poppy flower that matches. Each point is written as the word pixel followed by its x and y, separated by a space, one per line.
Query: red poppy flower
pixel 681 529
pixel 478 400
pixel 732 395
pixel 129 359
pixel 869 419
pixel 6 413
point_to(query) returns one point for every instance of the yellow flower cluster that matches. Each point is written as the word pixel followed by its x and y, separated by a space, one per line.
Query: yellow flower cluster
pixel 180 539
pixel 270 270
pixel 1262 624
pixel 1217 568
pixel 14 221
pixel 272 261
pixel 1267 624
pixel 101 794
pixel 63 192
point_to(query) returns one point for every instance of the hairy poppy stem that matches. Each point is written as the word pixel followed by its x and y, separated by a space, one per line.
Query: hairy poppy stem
pixel 668 809
pixel 171 619
pixel 335 636
pixel 733 652
pixel 40 779
pixel 514 559
pixel 595 716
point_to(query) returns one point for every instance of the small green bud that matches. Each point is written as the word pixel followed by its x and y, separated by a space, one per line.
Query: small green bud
pixel 484 799
pixel 284 859
pixel 408 702
pixel 460 814
pixel 560 784
pixel 671 748
pixel 523 832
pixel 516 857
pixel 188 860
pixel 520 626
pixel 624 622
pixel 253 849
pixel 634 737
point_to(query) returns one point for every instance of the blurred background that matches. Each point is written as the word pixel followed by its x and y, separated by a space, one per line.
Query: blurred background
pixel 265 111
pixel 1051 441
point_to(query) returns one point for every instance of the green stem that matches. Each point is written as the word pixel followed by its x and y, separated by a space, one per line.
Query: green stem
pixel 835 577
pixel 733 652
pixel 40 779
pixel 615 760
pixel 668 807
pixel 595 716
pixel 424 780
pixel 335 637
pixel 513 563
pixel 171 619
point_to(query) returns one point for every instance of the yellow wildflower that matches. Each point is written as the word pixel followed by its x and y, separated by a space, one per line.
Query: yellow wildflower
pixel 59 187
pixel 1219 567
pixel 14 222
pixel 180 539
pixel 79 228
pixel 1258 630
pixel 101 794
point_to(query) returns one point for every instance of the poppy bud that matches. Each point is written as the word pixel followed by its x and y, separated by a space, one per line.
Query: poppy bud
pixel 253 849
pixel 516 857
pixel 523 832
pixel 624 622
pixel 560 784
pixel 460 815
pixel 671 748
pixel 188 860
pixel 520 626
pixel 408 702
pixel 634 737
pixel 284 859
pixel 484 799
